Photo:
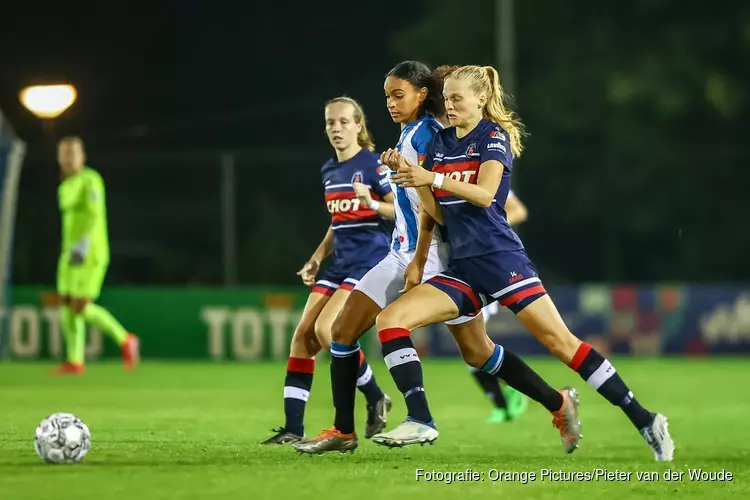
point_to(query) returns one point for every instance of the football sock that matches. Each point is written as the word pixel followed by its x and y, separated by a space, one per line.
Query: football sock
pixel 345 366
pixel 522 378
pixel 366 382
pixel 299 375
pixel 403 362
pixel 600 374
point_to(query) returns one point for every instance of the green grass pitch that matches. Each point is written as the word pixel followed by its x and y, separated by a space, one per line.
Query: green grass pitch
pixel 191 431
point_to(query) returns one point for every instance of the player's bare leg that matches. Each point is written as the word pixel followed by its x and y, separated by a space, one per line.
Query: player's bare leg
pixel 300 368
pixel 356 317
pixel 324 321
pixel 478 350
pixel 544 322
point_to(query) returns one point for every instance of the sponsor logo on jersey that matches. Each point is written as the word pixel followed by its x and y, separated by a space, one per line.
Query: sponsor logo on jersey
pixel 383 169
pixel 343 205
pixel 496 145
pixel 463 176
pixel 515 277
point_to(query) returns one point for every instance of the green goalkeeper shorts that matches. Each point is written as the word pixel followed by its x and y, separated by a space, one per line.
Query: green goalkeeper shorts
pixel 80 282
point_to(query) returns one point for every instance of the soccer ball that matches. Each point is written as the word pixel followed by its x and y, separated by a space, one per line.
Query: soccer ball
pixel 62 438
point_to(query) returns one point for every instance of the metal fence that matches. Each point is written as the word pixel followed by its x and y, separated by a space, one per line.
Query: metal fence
pixel 194 217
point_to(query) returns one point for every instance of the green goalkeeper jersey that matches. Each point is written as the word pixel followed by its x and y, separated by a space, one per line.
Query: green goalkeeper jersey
pixel 81 198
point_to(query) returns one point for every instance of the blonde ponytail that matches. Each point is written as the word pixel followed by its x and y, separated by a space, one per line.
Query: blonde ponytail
pixel 496 111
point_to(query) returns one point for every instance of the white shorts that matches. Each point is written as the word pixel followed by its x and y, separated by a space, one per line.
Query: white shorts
pixel 383 282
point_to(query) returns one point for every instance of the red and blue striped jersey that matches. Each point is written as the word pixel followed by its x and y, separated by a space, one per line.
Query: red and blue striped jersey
pixel 473 230
pixel 359 232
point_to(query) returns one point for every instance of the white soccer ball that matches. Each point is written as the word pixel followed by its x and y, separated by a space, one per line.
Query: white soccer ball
pixel 62 438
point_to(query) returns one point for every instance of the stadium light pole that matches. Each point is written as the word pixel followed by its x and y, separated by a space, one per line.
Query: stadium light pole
pixel 505 46
pixel 229 219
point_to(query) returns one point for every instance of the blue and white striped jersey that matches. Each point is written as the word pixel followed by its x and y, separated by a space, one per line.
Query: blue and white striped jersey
pixel 412 144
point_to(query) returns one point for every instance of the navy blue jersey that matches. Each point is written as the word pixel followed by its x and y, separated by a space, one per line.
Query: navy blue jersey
pixel 473 230
pixel 359 233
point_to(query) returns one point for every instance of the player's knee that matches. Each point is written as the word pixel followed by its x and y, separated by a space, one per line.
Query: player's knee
pixel 323 332
pixel 475 355
pixel 78 305
pixel 384 320
pixel 302 335
pixel 391 317
pixel 304 343
pixel 475 359
pixel 341 333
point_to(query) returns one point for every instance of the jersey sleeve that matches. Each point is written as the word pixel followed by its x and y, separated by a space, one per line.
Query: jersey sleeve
pixel 429 154
pixel 495 146
pixel 422 139
pixel 379 183
pixel 93 196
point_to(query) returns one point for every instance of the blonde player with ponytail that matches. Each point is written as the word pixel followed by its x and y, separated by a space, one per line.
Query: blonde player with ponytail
pixel 463 184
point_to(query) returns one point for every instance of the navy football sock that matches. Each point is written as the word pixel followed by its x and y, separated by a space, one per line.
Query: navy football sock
pixel 403 362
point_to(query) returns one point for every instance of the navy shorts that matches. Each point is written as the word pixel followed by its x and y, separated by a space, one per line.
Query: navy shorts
pixel 509 278
pixel 341 277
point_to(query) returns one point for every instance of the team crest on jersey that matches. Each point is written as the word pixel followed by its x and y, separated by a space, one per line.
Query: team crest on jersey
pixel 470 151
pixel 357 177
pixel 496 134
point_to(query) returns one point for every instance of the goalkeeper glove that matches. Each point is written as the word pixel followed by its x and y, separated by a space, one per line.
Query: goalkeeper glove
pixel 79 252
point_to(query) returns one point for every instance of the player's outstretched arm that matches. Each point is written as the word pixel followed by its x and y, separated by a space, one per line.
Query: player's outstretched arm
pixel 515 210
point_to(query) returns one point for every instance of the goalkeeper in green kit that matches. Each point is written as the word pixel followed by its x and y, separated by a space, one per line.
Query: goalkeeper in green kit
pixel 84 259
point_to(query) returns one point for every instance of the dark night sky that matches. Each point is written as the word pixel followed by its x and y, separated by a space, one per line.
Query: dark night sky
pixel 189 72
pixel 612 98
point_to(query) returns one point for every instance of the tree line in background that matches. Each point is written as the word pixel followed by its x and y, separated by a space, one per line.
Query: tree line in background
pixel 635 168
